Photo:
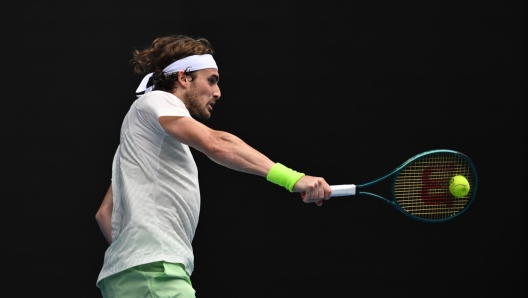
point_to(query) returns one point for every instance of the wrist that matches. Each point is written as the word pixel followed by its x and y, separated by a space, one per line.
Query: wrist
pixel 283 176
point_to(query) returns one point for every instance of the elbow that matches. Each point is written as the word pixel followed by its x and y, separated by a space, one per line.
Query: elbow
pixel 101 216
pixel 218 148
pixel 217 152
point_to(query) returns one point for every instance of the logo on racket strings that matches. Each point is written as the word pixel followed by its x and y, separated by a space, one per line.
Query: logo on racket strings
pixel 434 190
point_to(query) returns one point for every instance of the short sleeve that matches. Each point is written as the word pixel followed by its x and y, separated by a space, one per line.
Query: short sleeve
pixel 156 104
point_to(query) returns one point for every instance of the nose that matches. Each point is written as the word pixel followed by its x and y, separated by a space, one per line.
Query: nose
pixel 217 93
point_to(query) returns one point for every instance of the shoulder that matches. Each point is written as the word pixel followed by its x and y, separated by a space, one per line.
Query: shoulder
pixel 160 103
pixel 159 97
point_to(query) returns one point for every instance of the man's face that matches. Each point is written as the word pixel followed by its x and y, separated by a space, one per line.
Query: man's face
pixel 203 93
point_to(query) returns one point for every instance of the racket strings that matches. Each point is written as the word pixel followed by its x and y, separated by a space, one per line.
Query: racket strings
pixel 422 187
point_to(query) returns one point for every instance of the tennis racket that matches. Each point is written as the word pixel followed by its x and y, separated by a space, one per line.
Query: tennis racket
pixel 420 188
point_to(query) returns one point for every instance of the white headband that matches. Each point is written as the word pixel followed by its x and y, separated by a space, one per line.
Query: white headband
pixel 190 63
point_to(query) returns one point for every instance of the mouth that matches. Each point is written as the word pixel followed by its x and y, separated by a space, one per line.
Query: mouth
pixel 210 106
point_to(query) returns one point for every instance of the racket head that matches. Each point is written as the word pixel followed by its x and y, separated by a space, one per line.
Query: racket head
pixel 421 185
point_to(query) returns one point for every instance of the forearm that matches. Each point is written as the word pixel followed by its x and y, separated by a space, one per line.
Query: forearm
pixel 230 151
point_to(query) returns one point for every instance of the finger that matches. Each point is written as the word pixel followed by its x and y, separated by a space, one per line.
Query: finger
pixel 307 196
pixel 328 191
pixel 315 193
pixel 317 190
pixel 321 194
pixel 319 203
pixel 313 190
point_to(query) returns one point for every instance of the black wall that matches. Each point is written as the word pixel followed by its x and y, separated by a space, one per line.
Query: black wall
pixel 346 92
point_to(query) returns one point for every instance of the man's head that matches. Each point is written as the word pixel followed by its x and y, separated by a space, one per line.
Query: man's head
pixel 198 89
pixel 199 92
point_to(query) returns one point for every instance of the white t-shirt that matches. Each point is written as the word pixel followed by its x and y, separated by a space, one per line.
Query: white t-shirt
pixel 155 188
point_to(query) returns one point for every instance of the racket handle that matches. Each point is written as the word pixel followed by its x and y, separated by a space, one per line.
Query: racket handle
pixel 343 190
pixel 340 190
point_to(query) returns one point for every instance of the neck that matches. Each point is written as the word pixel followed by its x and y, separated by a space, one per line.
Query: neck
pixel 179 93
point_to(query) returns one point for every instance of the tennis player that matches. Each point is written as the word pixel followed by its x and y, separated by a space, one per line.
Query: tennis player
pixel 150 212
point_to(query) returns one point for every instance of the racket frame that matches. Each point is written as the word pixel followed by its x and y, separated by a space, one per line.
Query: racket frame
pixel 395 172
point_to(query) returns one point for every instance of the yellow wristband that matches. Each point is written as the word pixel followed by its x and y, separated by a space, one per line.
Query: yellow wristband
pixel 283 176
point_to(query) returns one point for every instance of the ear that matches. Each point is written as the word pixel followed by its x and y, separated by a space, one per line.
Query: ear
pixel 183 80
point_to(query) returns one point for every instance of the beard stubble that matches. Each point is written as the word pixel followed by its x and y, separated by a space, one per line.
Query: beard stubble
pixel 196 108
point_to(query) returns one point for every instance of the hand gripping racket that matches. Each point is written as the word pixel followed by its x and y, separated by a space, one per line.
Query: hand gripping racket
pixel 420 188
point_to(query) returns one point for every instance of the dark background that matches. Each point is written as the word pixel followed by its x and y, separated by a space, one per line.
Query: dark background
pixel 343 91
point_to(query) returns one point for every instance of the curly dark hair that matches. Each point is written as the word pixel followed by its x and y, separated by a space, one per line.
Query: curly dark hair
pixel 164 51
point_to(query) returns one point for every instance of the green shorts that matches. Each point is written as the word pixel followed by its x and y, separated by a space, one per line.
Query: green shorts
pixel 158 279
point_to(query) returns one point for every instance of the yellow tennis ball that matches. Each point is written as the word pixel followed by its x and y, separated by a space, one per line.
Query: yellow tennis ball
pixel 459 186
